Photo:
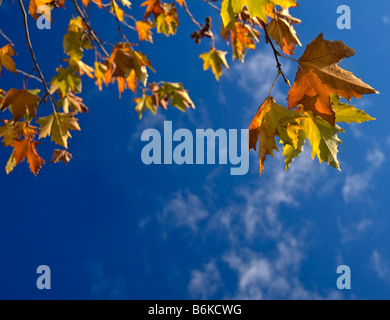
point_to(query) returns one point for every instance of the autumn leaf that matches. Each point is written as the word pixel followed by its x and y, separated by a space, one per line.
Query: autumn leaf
pixel 35 4
pixel 19 100
pixel 281 29
pixel 117 11
pixel 273 120
pixel 67 80
pixel 319 76
pixel 58 125
pixel 6 61
pixel 152 7
pixel 215 59
pixel 143 103
pixel 72 103
pixel 11 164
pixel 323 139
pixel 348 114
pixel 180 2
pixel 242 37
pixel 143 30
pixel 256 8
pixel 26 148
pixel 97 2
pixel 61 156
pixel 168 21
pixel 127 66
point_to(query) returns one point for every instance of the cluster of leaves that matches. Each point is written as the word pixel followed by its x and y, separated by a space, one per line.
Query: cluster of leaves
pixel 314 106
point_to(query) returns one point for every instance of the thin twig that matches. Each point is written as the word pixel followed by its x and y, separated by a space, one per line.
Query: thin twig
pixel 33 56
pixel 213 5
pixel 89 28
pixel 5 37
pixel 29 75
pixel 119 25
pixel 276 53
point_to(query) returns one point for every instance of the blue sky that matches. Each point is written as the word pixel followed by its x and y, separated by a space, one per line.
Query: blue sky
pixel 111 227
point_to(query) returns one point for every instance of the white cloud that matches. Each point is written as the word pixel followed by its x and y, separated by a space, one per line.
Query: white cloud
pixel 352 231
pixel 184 210
pixel 386 19
pixel 357 185
pixel 379 266
pixel 204 283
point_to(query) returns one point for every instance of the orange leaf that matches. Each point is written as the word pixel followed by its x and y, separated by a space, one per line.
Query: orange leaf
pixel 27 149
pixel 319 76
pixel 153 7
pixel 6 53
pixel 20 99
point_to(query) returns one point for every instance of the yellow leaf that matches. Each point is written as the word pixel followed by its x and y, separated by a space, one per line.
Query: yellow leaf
pixel 6 61
pixel 215 59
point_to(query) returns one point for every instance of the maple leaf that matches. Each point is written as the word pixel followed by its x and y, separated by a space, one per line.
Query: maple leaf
pixel 11 164
pixel 100 71
pixel 348 114
pixel 97 2
pixel 117 11
pixel 72 103
pixel 243 37
pixel 282 31
pixel 26 148
pixel 153 7
pixel 66 81
pixel 215 59
pixel 58 125
pixel 256 8
pixel 125 63
pixel 143 103
pixel 61 155
pixel 6 61
pixel 323 139
pixel 20 100
pixel 273 120
pixel 168 21
pixel 143 30
pixel 319 75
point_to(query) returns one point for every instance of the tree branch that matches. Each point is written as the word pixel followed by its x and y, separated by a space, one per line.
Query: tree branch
pixel 276 54
pixel 92 33
pixel 33 56
pixel 213 5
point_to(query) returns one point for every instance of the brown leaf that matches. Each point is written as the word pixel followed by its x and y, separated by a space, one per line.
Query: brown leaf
pixel 61 155
pixel 6 61
pixel 319 76
pixel 282 31
pixel 20 99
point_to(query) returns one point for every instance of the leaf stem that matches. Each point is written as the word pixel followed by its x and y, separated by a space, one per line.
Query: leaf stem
pixel 273 84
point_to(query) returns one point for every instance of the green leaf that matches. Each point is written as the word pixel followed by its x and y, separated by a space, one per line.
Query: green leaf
pixel 348 114
pixel 215 59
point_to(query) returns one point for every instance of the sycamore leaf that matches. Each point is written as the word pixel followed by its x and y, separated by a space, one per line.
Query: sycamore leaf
pixel 26 148
pixel 143 103
pixel 348 114
pixel 215 59
pixel 58 125
pixel 323 139
pixel 126 3
pixel 35 4
pixel 152 7
pixel 6 61
pixel 82 68
pixel 100 71
pixel 11 164
pixel 256 8
pixel 127 66
pixel 97 2
pixel 273 120
pixel 243 36
pixel 282 31
pixel 66 81
pixel 72 103
pixel 61 155
pixel 143 30
pixel 20 100
pixel 168 21
pixel 319 76
pixel 117 11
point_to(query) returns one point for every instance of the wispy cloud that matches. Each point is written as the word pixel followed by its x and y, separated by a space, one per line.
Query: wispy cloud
pixel 357 185
pixel 380 267
pixel 204 283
